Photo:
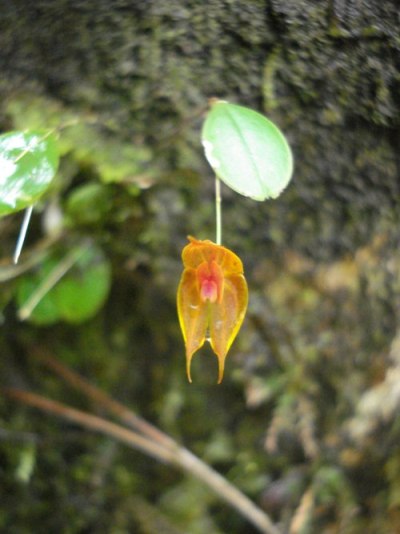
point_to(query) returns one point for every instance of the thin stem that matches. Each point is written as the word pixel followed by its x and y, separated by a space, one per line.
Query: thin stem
pixel 227 491
pixel 178 456
pixel 181 456
pixel 33 257
pixel 93 422
pixel 58 272
pixel 22 233
pixel 102 399
pixel 218 218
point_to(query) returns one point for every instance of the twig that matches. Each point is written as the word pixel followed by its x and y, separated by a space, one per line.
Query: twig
pixel 102 399
pixel 172 451
pixel 93 422
pixel 48 283
pixel 8 270
pixel 229 493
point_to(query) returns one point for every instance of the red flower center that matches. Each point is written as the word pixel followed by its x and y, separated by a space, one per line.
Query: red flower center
pixel 209 290
pixel 211 279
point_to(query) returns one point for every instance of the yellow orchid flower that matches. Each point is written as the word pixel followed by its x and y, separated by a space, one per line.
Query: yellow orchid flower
pixel 212 299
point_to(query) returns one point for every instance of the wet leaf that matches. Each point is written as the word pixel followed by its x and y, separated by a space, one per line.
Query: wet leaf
pixel 247 151
pixel 28 163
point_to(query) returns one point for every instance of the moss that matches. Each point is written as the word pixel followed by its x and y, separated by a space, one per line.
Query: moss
pixel 322 261
pixel 110 157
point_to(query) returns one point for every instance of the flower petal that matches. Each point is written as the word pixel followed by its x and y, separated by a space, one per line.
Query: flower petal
pixel 212 296
pixel 226 318
pixel 193 315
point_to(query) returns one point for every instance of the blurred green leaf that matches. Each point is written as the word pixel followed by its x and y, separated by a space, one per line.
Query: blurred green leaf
pixel 247 151
pixel 26 463
pixel 76 297
pixel 89 203
pixel 28 163
pixel 82 292
pixel 46 312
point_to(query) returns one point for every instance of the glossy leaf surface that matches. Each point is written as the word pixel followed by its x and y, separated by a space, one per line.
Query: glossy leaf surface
pixel 212 299
pixel 28 163
pixel 246 151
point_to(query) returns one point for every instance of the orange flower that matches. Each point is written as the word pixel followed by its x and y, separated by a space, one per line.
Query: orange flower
pixel 212 299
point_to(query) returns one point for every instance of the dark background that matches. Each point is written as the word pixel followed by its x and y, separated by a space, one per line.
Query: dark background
pixel 305 421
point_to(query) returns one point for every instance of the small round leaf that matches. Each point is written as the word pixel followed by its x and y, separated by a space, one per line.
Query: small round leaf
pixel 247 151
pixel 83 291
pixel 47 311
pixel 28 163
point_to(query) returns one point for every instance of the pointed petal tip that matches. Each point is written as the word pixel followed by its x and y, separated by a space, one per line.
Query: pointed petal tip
pixel 188 371
pixel 221 367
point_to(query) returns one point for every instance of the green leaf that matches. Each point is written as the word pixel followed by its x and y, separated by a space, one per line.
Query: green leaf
pixel 76 297
pixel 247 151
pixel 28 163
pixel 89 203
pixel 82 292
pixel 46 312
